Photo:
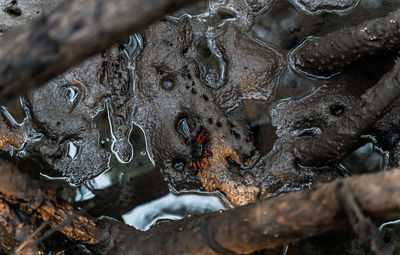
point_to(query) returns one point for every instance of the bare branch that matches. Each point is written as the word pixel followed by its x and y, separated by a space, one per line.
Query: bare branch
pixel 74 31
pixel 266 224
pixel 328 54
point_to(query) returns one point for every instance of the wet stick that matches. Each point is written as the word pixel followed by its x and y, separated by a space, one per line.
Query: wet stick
pixel 266 224
pixel 74 31
pixel 328 54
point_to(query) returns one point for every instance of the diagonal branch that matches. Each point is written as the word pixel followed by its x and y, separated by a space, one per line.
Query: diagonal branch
pixel 337 140
pixel 74 31
pixel 266 224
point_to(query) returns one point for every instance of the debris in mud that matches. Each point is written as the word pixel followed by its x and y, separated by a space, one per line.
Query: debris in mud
pixel 194 69
pixel 60 112
pixel 185 78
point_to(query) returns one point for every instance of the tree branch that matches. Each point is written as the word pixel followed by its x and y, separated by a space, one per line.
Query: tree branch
pixel 266 224
pixel 337 140
pixel 74 31
pixel 328 54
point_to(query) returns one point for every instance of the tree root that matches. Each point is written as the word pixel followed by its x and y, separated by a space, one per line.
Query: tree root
pixel 328 54
pixel 370 238
pixel 266 224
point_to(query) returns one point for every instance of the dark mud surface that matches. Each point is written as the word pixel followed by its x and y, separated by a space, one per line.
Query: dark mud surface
pixel 126 115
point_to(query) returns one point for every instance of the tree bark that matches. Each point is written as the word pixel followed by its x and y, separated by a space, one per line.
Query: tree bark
pixel 328 54
pixel 74 31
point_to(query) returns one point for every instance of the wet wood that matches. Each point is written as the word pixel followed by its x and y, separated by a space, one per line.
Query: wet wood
pixel 266 224
pixel 328 54
pixel 18 189
pixel 336 141
pixel 74 31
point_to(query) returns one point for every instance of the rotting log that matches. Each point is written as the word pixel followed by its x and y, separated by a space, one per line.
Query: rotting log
pixel 327 55
pixel 337 140
pixel 72 32
pixel 266 224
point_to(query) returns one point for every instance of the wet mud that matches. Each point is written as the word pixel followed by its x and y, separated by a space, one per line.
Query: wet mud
pixel 179 77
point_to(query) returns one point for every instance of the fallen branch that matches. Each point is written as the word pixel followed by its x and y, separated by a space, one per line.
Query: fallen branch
pixel 74 31
pixel 337 140
pixel 328 54
pixel 266 224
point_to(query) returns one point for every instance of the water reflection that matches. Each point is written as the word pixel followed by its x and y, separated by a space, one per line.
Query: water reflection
pixel 366 159
pixel 389 223
pixel 174 206
pixel 292 85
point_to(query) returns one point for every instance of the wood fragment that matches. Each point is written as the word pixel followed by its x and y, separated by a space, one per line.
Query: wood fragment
pixel 369 237
pixel 266 224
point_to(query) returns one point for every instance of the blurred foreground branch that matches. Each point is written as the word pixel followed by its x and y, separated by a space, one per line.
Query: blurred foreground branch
pixel 74 31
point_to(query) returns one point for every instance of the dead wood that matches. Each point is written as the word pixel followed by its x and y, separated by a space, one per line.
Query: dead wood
pixel 74 31
pixel 369 237
pixel 337 140
pixel 328 54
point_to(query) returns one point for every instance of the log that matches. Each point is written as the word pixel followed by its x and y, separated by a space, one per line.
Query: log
pixel 74 31
pixel 327 55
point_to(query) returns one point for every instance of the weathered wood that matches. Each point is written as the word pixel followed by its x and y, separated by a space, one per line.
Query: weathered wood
pixel 17 188
pixel 74 31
